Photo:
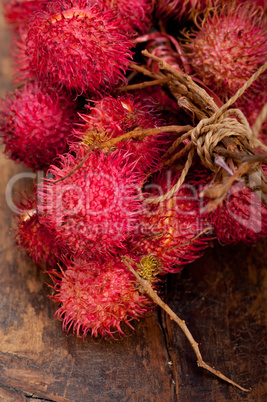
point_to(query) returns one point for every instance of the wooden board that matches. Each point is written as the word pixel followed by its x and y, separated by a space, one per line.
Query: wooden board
pixel 222 297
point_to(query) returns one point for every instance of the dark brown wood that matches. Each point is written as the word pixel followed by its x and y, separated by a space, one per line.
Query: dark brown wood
pixel 222 297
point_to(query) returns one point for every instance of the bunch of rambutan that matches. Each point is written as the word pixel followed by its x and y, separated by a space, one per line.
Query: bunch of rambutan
pixel 83 114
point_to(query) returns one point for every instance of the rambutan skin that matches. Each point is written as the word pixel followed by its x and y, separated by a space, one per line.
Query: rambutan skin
pixel 260 3
pixel 33 237
pixel 111 117
pixel 96 208
pixel 80 46
pixel 20 60
pixel 229 47
pixel 136 14
pixel 241 218
pixel 19 12
pixel 178 9
pixel 168 49
pixel 175 230
pixel 96 298
pixel 168 107
pixel 252 106
pixel 35 124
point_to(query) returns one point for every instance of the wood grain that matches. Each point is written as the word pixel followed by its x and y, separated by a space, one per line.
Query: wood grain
pixel 222 297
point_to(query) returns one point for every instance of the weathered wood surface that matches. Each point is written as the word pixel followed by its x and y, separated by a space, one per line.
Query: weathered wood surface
pixel 222 297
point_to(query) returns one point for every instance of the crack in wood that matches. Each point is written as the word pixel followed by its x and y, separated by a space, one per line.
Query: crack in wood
pixel 28 395
pixel 162 325
pixel 36 398
pixel 22 358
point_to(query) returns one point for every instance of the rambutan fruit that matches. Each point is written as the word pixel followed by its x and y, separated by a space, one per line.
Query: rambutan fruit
pixel 33 237
pixel 20 60
pixel 242 217
pixel 35 124
pixel 136 14
pixel 97 298
pixel 94 208
pixel 260 3
pixel 19 12
pixel 168 108
pixel 111 117
pixel 174 231
pixel 252 106
pixel 168 49
pixel 229 47
pixel 79 46
pixel 178 9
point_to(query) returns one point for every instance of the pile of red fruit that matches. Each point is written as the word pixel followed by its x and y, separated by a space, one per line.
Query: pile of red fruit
pixel 70 60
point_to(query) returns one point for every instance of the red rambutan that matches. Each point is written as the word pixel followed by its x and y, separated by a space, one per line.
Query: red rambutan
pixel 168 107
pixel 111 117
pixel 229 47
pixel 79 46
pixel 97 298
pixel 242 217
pixel 19 58
pixel 169 50
pixel 136 14
pixel 260 3
pixel 95 209
pixel 35 124
pixel 178 9
pixel 19 12
pixel 34 238
pixel 251 106
pixel 175 230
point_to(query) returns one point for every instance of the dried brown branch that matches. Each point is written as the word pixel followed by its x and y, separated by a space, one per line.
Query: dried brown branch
pixel 145 71
pixel 147 288
pixel 144 84
pixel 187 86
pixel 183 102
pixel 137 133
pixel 178 155
pixel 141 133
pixel 242 156
pixel 131 76
pixel 218 192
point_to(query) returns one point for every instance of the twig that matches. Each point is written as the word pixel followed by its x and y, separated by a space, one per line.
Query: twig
pixel 145 71
pixel 218 192
pixel 140 132
pixel 178 155
pixel 162 64
pixel 242 156
pixel 193 91
pixel 132 76
pixel 176 143
pixel 144 84
pixel 146 286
